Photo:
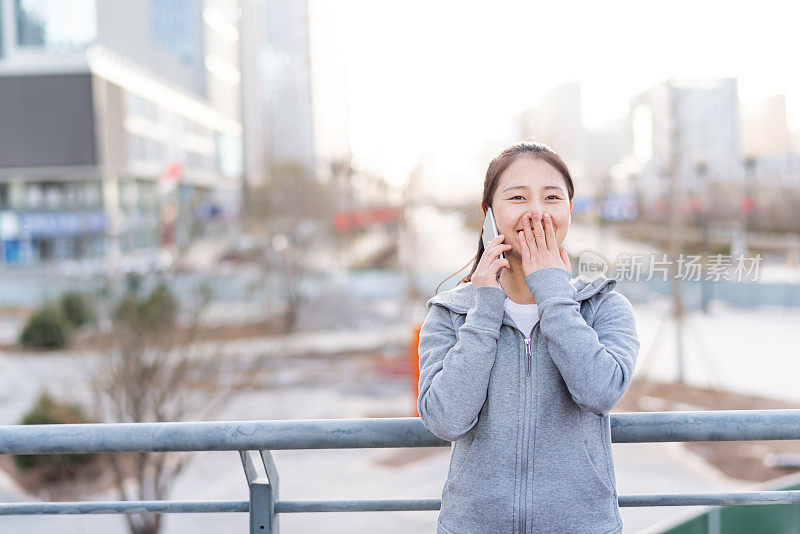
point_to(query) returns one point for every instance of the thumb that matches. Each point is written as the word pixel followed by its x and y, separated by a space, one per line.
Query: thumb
pixel 565 259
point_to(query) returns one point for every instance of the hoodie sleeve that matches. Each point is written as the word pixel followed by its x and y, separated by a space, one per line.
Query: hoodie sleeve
pixel 596 362
pixel 454 366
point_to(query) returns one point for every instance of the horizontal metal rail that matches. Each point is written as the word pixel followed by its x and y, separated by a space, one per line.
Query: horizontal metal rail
pixel 373 505
pixel 218 436
pixel 255 439
pixel 196 507
pixel 124 507
pixel 646 427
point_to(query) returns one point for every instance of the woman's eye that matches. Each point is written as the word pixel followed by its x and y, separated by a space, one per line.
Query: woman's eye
pixel 518 196
pixel 556 197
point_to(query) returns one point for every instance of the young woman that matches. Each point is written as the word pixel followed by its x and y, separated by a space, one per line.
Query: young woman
pixel 520 369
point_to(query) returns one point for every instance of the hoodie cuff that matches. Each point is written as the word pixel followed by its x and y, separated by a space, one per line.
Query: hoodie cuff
pixel 550 283
pixel 488 310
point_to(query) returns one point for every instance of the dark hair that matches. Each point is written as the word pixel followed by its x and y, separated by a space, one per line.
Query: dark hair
pixel 496 168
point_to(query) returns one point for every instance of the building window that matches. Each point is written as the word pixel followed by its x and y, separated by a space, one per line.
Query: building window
pixel 56 25
pixel 33 196
pixel 54 196
pixel 229 155
pixel 176 25
pixel 92 195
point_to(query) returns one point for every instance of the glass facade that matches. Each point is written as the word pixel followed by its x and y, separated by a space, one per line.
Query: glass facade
pixel 160 136
pixel 229 155
pixel 56 25
pixel 43 195
pixel 176 25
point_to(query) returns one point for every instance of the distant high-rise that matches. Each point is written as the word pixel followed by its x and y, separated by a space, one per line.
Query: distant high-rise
pixel 680 126
pixel 767 143
pixel 278 118
pixel 764 128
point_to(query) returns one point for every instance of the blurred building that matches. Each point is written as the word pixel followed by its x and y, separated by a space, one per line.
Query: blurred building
pixel 329 86
pixel 589 153
pixel 120 125
pixel 772 161
pixel 689 130
pixel 558 122
pixel 775 170
pixel 764 128
pixel 730 163
pixel 277 105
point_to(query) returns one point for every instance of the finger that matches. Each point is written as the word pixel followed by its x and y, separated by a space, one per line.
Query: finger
pixel 565 259
pixel 492 244
pixel 529 239
pixel 497 264
pixel 550 232
pixel 495 251
pixel 525 251
pixel 538 232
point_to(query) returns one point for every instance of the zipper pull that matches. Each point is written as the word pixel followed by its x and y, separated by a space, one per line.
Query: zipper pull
pixel 527 356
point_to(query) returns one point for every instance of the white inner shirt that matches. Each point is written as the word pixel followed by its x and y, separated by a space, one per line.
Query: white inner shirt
pixel 525 316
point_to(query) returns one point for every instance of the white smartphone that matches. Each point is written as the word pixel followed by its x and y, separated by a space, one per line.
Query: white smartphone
pixel 490 232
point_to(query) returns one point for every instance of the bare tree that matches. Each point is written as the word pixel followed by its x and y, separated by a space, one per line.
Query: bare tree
pixel 289 210
pixel 156 371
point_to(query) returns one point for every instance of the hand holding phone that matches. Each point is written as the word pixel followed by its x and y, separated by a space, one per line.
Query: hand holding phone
pixel 490 230
pixel 493 259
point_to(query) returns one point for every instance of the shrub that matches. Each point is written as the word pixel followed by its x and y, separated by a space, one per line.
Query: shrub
pixel 76 309
pixel 47 328
pixel 49 411
pixel 155 313
pixel 159 310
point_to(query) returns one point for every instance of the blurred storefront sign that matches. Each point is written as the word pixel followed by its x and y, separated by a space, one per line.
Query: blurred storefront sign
pixel 51 223
pixel 45 234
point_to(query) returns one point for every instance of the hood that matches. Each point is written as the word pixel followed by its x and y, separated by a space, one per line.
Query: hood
pixel 462 297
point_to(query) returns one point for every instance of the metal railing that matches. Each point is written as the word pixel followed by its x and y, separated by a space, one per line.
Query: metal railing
pixel 255 439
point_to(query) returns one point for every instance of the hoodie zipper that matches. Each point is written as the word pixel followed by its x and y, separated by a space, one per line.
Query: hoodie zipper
pixel 525 440
pixel 527 358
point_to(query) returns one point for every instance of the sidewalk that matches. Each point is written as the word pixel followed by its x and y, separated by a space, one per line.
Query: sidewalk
pixel 663 468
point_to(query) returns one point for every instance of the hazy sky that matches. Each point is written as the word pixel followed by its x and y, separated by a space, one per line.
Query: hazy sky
pixel 444 76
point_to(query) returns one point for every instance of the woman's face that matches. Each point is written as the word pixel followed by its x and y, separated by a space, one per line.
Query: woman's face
pixel 526 185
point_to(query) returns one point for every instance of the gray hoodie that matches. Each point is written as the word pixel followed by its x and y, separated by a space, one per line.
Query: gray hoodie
pixel 528 416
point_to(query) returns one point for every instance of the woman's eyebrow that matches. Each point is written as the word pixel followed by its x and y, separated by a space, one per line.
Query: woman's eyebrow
pixel 558 187
pixel 526 187
pixel 515 187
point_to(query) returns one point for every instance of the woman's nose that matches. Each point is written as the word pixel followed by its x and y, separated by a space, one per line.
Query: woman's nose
pixel 535 207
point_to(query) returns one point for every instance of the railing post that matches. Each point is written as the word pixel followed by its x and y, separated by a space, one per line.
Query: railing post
pixel 714 521
pixel 263 485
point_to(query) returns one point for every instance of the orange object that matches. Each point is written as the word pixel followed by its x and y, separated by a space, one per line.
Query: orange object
pixel 413 362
